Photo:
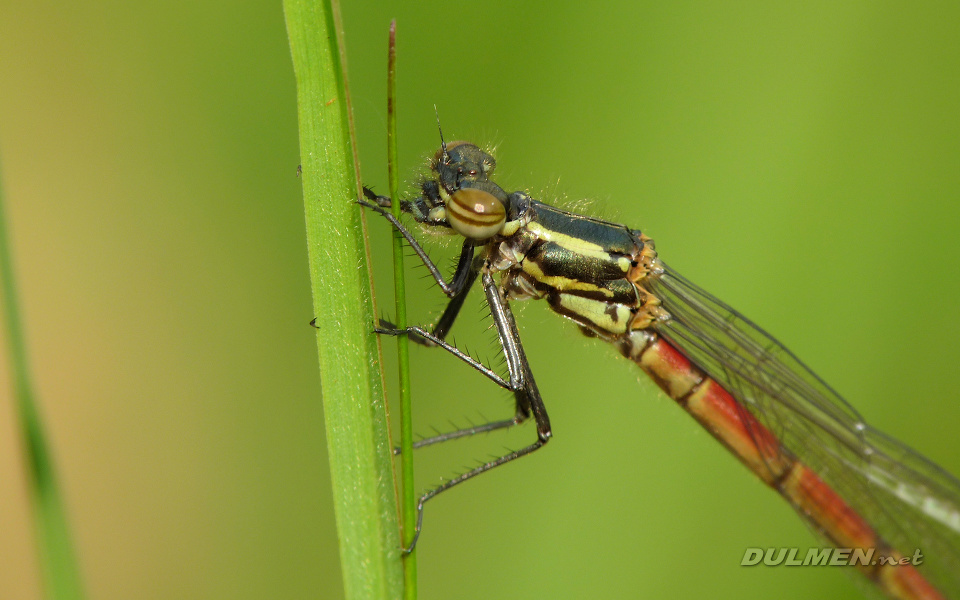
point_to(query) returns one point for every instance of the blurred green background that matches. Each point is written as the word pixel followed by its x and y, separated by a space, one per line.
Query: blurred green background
pixel 799 160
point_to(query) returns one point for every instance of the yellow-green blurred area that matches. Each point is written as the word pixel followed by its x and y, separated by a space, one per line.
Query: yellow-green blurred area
pixel 799 160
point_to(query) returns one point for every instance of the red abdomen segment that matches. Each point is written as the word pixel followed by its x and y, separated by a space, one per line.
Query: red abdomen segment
pixel 760 450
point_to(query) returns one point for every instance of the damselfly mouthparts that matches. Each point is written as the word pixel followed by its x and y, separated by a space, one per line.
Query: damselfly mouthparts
pixel 854 485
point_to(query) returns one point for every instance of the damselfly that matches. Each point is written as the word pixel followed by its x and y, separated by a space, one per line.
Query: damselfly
pixel 854 485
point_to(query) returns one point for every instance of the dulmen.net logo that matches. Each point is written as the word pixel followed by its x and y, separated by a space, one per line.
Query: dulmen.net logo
pixel 824 557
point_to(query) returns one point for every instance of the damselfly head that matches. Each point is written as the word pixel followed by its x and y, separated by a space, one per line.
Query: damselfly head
pixel 474 206
pixel 462 161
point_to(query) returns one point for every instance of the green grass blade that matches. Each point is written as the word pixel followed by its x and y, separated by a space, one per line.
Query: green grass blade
pixel 409 498
pixel 357 431
pixel 58 562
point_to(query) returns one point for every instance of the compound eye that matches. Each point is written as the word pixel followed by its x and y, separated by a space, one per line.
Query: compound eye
pixel 475 214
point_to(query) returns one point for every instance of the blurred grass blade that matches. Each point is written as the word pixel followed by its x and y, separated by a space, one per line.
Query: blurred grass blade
pixel 409 498
pixel 355 415
pixel 58 562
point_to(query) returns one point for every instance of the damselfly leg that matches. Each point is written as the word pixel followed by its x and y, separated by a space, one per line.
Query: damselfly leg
pixel 462 279
pixel 521 382
pixel 468 268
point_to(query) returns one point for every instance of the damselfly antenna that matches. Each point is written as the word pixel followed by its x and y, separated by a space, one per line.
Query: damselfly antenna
pixel 445 158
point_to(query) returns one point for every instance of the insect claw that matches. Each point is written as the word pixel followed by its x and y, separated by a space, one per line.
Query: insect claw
pixel 381 201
